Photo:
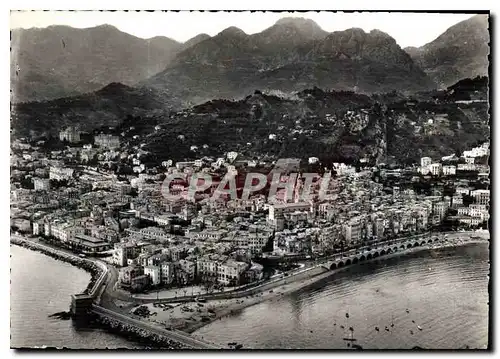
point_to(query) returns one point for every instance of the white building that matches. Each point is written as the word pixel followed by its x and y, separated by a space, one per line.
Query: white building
pixel 435 169
pixel 425 161
pixel 479 210
pixel 154 273
pixel 254 242
pixel 60 173
pixel 466 167
pixel 124 252
pixel 440 208
pixel 313 160
pixel 353 231
pixel 229 273
pixel 61 231
pixel 41 184
pixel 107 141
pixel 167 272
pixel 449 170
pixel 209 235
pixel 481 196
pixel 231 156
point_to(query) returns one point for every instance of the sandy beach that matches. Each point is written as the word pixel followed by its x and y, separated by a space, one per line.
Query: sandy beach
pixel 189 316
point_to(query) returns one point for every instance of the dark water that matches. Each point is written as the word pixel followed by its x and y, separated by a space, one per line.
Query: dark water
pixel 41 286
pixel 445 292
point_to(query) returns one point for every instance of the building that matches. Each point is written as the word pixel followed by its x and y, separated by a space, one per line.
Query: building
pixel 435 169
pixel 167 272
pixel 151 233
pixel 89 244
pixel 254 242
pixel 479 210
pixel 189 268
pixel 107 141
pixel 278 210
pixel 70 134
pixel 229 273
pixel 61 231
pixel 481 196
pixel 154 273
pixel 209 235
pixel 378 228
pixel 60 173
pixel 477 151
pixel 425 162
pixel 466 167
pixel 313 160
pixel 126 275
pixel 353 231
pixel 124 252
pixel 449 170
pixel 207 266
pixel 139 283
pixel 439 209
pixel 157 259
pixel 41 184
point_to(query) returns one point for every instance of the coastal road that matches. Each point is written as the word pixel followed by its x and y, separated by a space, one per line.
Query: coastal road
pixel 177 336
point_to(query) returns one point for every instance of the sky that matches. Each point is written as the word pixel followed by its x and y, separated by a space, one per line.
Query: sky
pixel 409 29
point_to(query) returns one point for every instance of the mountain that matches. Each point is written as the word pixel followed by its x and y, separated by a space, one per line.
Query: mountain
pixel 292 55
pixel 194 40
pixel 105 107
pixel 59 61
pixel 290 32
pixel 460 52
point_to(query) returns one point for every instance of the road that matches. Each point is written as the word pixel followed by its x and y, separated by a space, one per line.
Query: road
pixel 180 337
pixel 107 292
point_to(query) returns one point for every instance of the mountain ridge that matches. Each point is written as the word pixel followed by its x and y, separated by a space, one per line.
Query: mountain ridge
pixel 231 64
pixel 459 52
pixel 59 61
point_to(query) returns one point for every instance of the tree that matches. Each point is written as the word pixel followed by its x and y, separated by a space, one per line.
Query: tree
pixel 467 200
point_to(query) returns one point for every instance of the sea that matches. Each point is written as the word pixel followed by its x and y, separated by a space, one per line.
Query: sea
pixel 431 299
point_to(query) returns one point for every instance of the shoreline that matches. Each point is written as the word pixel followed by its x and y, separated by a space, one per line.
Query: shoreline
pixel 228 307
pixel 303 283
pixel 55 253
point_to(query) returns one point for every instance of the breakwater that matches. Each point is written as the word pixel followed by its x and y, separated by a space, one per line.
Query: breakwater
pixel 134 333
pixel 91 267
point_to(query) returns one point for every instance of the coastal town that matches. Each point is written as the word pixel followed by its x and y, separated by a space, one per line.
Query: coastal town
pixel 160 241
pixel 296 186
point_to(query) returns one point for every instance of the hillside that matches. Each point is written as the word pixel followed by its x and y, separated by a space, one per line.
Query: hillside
pixel 60 61
pixel 292 55
pixel 106 107
pixel 460 52
pixel 331 125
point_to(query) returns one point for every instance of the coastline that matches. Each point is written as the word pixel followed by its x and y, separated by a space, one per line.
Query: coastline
pixel 55 253
pixel 300 284
pixel 226 307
